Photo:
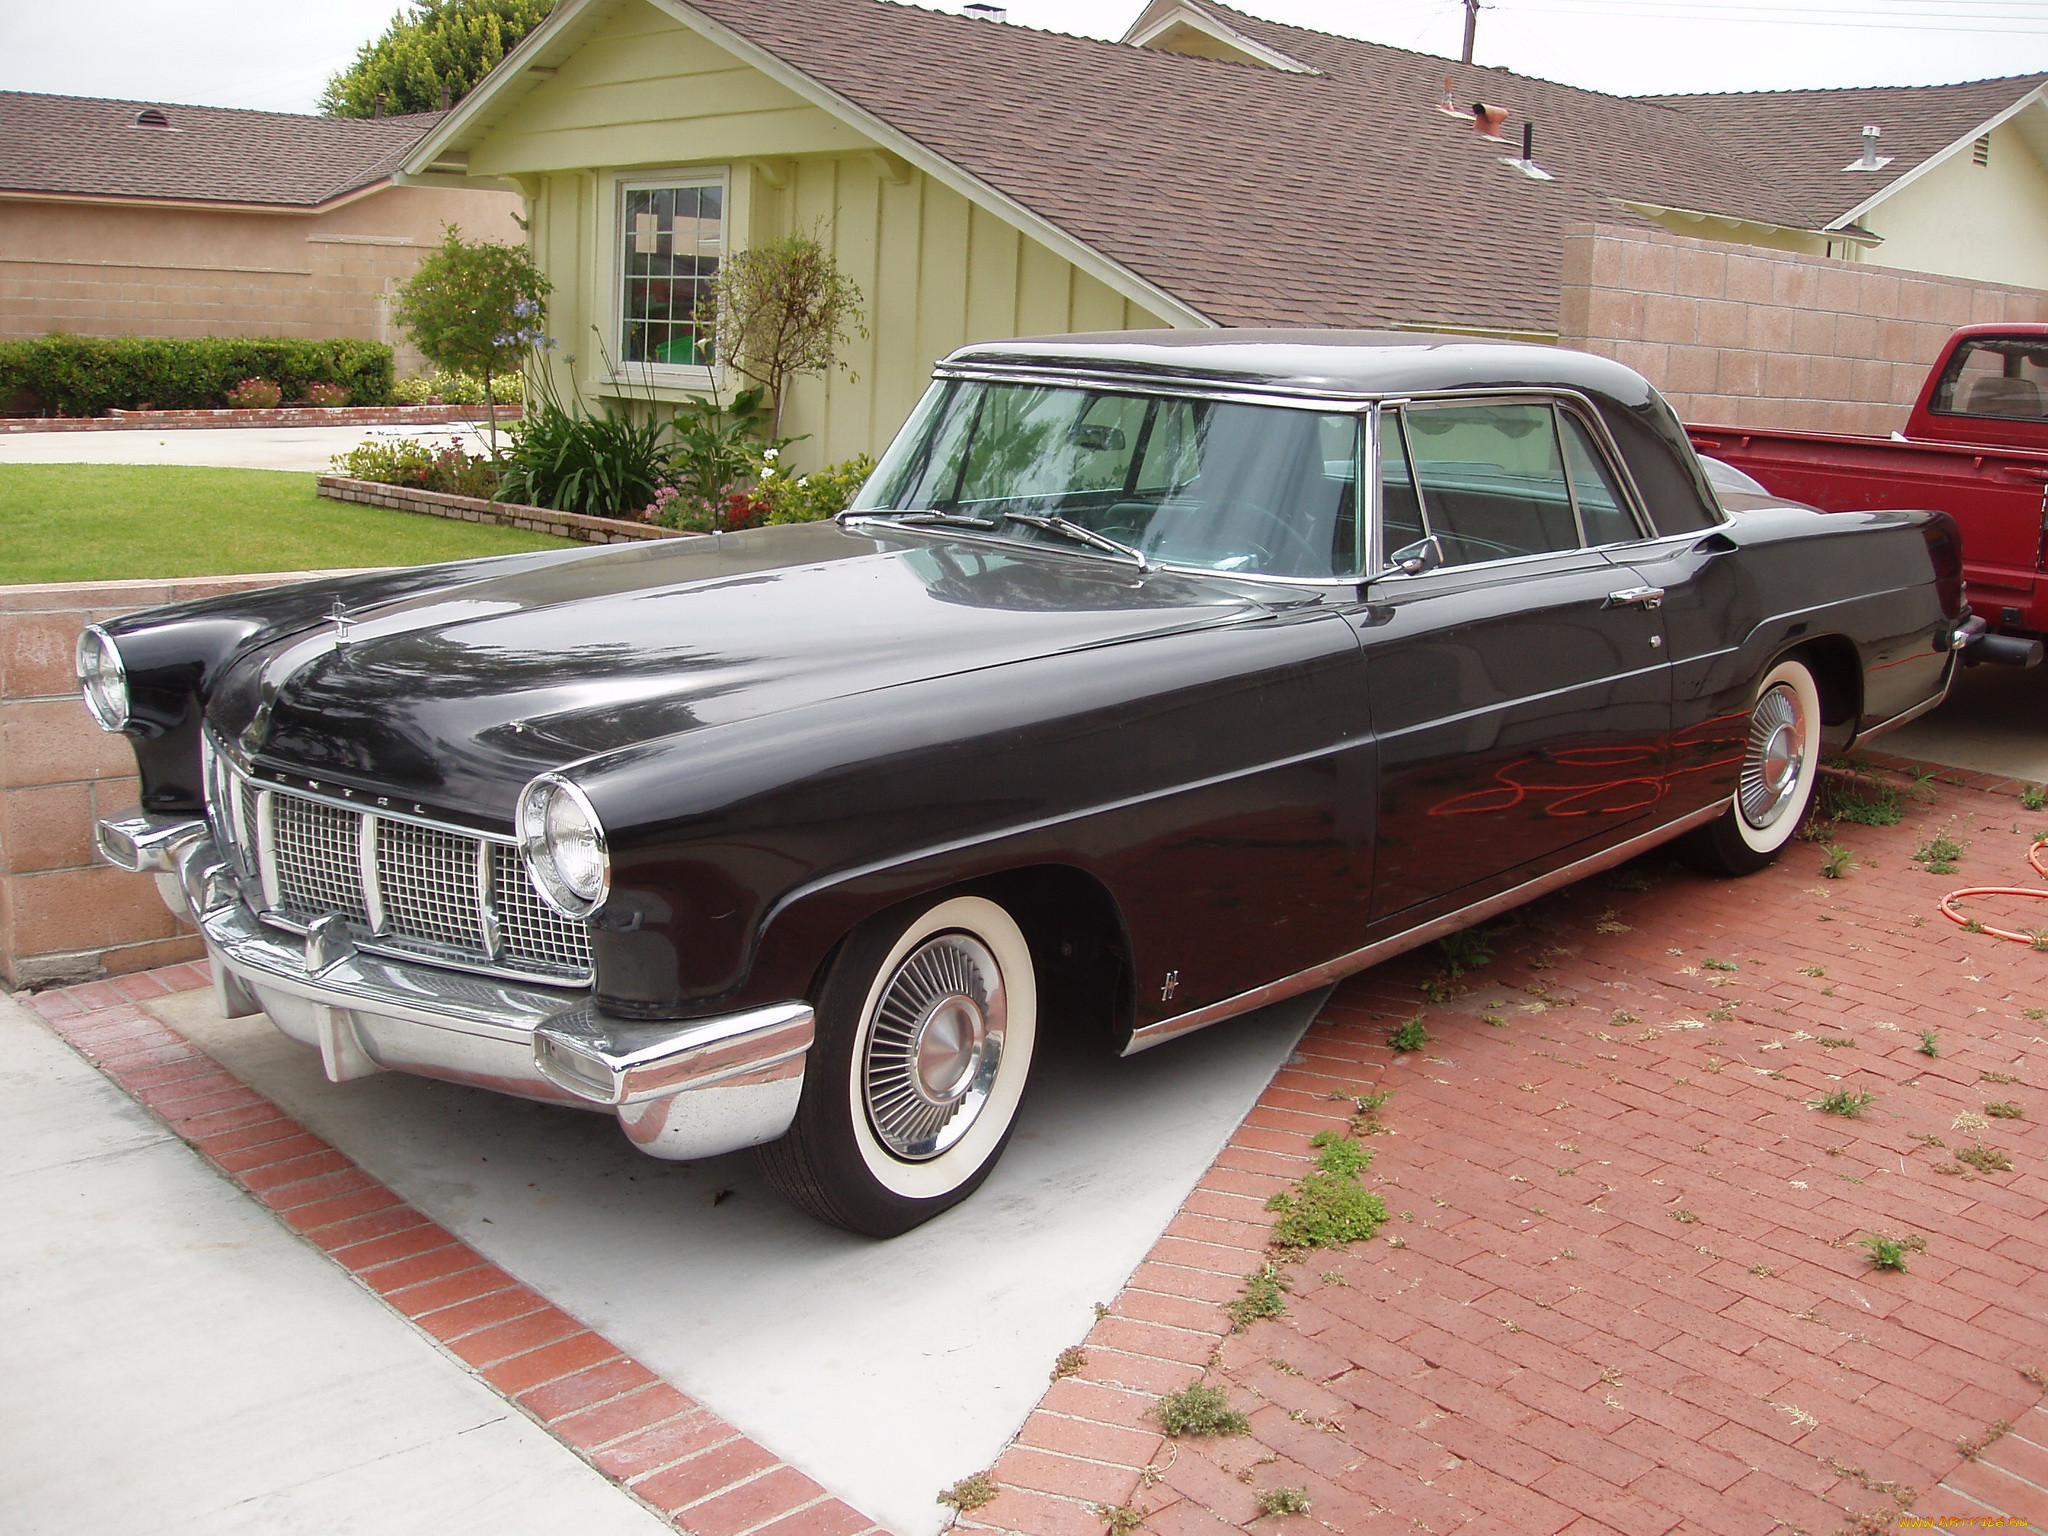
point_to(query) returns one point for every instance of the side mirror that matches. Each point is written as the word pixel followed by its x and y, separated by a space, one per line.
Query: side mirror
pixel 1412 560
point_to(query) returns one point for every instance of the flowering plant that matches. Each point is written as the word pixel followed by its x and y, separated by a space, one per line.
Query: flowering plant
pixel 255 395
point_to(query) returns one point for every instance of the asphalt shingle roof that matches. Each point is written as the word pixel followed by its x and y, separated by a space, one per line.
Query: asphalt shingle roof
pixel 1343 197
pixel 80 146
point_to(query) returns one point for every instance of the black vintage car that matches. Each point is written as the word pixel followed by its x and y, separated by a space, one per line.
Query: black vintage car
pixel 1153 678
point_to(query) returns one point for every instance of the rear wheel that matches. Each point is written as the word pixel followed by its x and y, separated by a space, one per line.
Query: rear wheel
pixel 926 1026
pixel 1781 757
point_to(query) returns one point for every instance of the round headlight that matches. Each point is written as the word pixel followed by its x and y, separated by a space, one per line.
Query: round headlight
pixel 102 679
pixel 562 842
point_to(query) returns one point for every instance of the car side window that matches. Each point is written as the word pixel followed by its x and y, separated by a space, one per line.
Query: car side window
pixel 1400 508
pixel 1492 480
pixel 1603 512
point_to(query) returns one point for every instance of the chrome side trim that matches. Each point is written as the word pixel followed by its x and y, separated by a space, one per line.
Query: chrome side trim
pixel 1386 949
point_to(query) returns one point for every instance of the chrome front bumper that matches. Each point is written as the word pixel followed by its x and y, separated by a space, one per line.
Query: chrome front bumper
pixel 680 1090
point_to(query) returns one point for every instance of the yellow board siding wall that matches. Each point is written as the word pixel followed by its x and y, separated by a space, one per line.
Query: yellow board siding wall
pixel 643 94
pixel 1988 222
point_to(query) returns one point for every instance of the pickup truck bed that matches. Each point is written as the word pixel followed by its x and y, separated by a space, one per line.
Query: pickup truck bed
pixel 1975 447
pixel 1999 497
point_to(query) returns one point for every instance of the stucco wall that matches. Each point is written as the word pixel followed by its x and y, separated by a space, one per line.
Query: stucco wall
pixel 1742 337
pixel 1988 222
pixel 104 270
pixel 643 93
pixel 65 914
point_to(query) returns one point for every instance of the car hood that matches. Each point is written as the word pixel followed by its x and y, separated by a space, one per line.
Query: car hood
pixel 456 697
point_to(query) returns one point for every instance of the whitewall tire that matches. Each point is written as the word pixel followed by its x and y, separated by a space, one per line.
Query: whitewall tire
pixel 1774 785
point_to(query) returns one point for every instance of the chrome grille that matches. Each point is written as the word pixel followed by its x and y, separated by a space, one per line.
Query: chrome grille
pixel 315 850
pixel 430 886
pixel 425 892
pixel 530 929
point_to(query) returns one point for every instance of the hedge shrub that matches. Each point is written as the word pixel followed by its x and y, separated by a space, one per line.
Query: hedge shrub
pixel 91 375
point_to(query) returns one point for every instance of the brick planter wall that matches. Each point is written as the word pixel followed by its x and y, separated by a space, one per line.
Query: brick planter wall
pixel 471 509
pixel 1742 337
pixel 66 915
pixel 282 416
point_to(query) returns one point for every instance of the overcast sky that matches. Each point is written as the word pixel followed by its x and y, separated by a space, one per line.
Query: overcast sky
pixel 277 54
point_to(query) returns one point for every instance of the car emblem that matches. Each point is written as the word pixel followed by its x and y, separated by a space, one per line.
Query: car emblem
pixel 340 616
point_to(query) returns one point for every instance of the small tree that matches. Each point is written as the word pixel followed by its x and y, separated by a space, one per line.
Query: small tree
pixel 475 307
pixel 781 312
pixel 430 59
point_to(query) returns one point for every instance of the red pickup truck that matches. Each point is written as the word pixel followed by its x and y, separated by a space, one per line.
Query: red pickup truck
pixel 1976 447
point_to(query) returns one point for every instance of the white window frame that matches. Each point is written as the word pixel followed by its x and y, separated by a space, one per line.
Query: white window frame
pixel 688 376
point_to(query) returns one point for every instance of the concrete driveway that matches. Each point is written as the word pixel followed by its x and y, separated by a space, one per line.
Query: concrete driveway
pixel 1995 721
pixel 296 448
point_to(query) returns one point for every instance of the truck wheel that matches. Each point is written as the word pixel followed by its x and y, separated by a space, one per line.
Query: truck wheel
pixel 925 1034
pixel 1775 784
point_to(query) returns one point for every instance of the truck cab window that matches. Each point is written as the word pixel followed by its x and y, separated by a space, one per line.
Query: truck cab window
pixel 2005 377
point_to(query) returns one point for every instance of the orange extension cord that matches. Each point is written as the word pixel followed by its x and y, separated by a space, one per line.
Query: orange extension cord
pixel 1948 908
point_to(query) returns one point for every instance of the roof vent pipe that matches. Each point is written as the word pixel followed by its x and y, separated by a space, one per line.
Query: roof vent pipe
pixel 1872 160
pixel 1527 163
pixel 1488 120
pixel 985 12
pixel 1449 103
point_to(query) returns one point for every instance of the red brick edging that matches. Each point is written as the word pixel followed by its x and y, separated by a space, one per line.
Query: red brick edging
pixel 674 1455
pixel 507 514
pixel 277 416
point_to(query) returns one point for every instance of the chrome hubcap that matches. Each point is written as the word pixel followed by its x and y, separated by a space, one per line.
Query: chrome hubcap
pixel 935 1046
pixel 1770 768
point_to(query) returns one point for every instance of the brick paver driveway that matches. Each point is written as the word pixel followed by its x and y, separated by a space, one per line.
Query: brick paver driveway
pixel 1621 1289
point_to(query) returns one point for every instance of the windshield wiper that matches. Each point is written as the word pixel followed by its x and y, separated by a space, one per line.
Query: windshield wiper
pixel 925 518
pixel 1080 535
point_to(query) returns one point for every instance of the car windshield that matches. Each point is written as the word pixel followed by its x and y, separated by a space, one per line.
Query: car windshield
pixel 1250 489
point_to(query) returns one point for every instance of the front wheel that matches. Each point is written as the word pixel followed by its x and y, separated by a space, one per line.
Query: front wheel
pixel 1781 756
pixel 926 1027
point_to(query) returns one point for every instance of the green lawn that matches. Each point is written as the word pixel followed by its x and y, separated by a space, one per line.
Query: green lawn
pixel 101 522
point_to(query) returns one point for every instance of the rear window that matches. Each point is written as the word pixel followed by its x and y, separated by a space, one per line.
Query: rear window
pixel 2005 377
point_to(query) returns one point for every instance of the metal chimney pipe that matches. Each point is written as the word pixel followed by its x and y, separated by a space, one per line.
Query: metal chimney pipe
pixel 1871 134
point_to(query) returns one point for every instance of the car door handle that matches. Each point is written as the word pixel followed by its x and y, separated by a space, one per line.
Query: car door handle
pixel 1635 597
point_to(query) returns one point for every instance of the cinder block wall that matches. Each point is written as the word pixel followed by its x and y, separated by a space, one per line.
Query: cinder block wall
pixel 1740 336
pixel 65 915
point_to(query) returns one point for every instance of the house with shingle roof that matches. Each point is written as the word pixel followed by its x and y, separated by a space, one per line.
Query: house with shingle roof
pixel 130 218
pixel 979 179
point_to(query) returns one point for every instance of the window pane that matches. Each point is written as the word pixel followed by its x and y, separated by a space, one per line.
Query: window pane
pixel 671 240
pixel 1225 487
pixel 1400 509
pixel 1602 510
pixel 1999 376
pixel 1491 482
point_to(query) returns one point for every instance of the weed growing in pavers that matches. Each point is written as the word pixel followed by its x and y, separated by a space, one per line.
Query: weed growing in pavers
pixel 1490 1017
pixel 2035 1014
pixel 1930 1043
pixel 970 1493
pixel 1197 1409
pixel 1939 853
pixel 1412 1035
pixel 1327 1208
pixel 1835 1042
pixel 1623 1017
pixel 2005 1109
pixel 1071 1362
pixel 1839 862
pixel 1366 1122
pixel 1440 989
pixel 1465 951
pixel 1868 805
pixel 1680 1213
pixel 1996 1077
pixel 1890 1252
pixel 1719 965
pixel 1841 1101
pixel 1973 1448
pixel 1815 971
pixel 1264 1295
pixel 1284 1501
pixel 1985 1159
pixel 2033 797
pixel 1120 1519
